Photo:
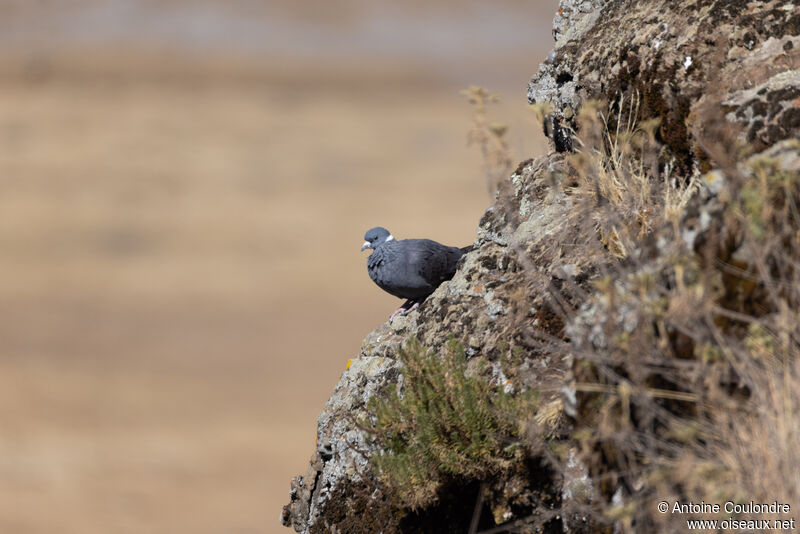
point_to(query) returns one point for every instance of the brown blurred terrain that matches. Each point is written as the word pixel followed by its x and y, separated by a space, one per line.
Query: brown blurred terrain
pixel 180 281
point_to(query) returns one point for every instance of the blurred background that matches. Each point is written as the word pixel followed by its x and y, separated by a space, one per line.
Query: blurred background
pixel 184 189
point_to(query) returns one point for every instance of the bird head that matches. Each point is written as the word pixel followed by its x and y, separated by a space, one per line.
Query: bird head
pixel 376 237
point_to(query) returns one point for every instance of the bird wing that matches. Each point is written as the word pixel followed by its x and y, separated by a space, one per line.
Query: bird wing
pixel 431 261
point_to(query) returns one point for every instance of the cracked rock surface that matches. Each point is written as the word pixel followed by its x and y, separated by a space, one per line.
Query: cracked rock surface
pixel 678 57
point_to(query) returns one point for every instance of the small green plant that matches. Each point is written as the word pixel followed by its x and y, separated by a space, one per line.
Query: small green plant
pixel 444 425
pixel 766 198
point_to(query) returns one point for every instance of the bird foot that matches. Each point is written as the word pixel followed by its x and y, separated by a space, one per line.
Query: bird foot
pixel 405 309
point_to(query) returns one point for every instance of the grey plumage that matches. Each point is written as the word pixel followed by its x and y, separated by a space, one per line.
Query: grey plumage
pixel 410 268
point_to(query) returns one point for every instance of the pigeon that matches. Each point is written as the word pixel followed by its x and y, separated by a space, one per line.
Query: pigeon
pixel 409 268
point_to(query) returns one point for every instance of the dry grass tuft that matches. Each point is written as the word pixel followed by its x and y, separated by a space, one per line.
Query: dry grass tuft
pixel 621 185
pixel 490 139
pixel 685 347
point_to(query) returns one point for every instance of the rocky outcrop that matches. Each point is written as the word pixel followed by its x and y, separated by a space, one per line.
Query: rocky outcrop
pixel 770 111
pixel 481 305
pixel 554 274
pixel 676 55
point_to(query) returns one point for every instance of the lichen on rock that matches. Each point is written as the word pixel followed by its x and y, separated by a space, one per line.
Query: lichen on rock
pixel 672 53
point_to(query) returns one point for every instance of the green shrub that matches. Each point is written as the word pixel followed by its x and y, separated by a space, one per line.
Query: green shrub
pixel 444 425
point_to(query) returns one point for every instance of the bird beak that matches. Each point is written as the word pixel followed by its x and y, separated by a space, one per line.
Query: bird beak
pixel 365 246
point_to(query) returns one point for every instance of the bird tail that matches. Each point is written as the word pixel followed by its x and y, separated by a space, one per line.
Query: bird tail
pixel 468 248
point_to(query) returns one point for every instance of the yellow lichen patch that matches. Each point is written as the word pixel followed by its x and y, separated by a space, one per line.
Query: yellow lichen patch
pixel 349 363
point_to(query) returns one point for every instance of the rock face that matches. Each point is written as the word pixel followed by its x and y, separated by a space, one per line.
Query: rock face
pixel 479 305
pixel 708 74
pixel 674 54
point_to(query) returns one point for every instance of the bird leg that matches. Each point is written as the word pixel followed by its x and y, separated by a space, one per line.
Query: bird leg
pixel 407 307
